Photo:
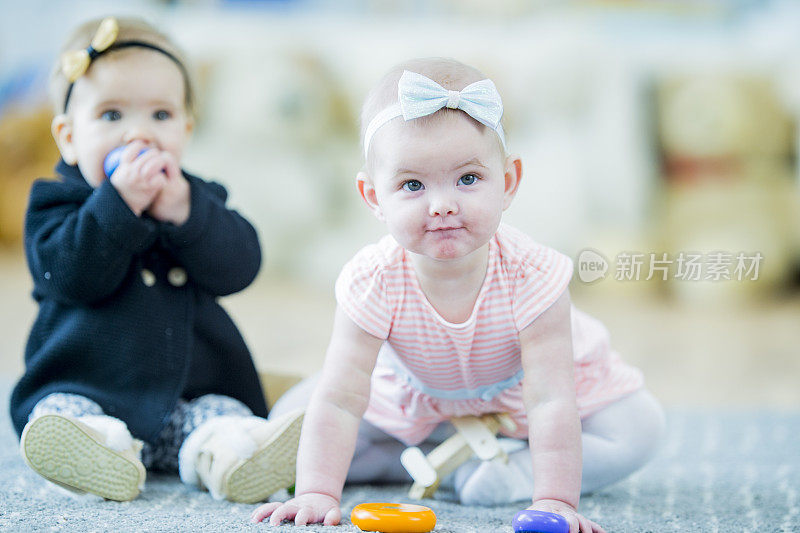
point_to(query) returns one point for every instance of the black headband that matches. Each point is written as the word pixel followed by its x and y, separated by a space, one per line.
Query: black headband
pixel 93 54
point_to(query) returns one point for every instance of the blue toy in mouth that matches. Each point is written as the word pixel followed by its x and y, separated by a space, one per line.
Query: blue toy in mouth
pixel 539 522
pixel 111 162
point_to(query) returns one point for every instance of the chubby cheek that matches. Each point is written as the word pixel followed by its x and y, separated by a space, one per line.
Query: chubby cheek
pixel 175 141
pixel 92 146
pixel 175 149
pixel 405 223
pixel 488 216
pixel 91 166
pixel 403 228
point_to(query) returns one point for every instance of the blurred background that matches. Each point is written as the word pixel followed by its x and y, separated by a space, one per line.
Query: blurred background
pixel 659 143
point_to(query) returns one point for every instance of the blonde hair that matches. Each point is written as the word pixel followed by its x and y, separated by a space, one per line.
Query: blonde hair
pixel 449 73
pixel 130 29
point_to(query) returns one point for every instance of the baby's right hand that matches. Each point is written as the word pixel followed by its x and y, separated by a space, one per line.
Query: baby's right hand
pixel 309 508
pixel 139 178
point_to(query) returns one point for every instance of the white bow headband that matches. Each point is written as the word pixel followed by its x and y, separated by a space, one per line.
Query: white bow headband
pixel 419 96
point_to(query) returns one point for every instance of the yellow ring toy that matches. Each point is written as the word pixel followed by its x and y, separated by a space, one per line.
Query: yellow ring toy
pixel 393 518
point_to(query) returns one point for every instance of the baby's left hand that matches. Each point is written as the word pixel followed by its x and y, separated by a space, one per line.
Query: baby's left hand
pixel 173 203
pixel 577 522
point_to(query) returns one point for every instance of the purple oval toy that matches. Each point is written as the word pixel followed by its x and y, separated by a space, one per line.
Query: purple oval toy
pixel 539 522
pixel 111 162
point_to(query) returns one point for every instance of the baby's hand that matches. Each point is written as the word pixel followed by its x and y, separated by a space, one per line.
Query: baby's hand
pixel 172 203
pixel 577 522
pixel 138 179
pixel 309 508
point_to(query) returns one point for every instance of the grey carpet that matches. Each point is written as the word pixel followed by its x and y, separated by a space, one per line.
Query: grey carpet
pixel 717 471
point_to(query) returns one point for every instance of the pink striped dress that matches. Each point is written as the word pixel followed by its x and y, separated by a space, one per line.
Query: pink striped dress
pixel 429 369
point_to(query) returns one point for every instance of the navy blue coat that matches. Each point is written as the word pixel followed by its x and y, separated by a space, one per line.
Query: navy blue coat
pixel 128 312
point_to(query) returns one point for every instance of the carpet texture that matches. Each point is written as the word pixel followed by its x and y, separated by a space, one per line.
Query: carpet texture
pixel 717 471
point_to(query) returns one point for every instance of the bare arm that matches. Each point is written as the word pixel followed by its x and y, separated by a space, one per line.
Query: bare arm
pixel 330 428
pixel 554 425
pixel 336 408
pixel 549 395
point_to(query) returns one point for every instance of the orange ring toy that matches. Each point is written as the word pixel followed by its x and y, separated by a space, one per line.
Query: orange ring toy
pixel 393 518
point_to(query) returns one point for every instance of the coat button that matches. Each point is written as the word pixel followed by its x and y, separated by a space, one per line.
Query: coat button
pixel 148 277
pixel 177 276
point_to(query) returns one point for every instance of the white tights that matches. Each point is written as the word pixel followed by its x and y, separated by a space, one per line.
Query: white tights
pixel 617 440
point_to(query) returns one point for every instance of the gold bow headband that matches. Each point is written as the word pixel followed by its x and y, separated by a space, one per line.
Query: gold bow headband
pixel 74 63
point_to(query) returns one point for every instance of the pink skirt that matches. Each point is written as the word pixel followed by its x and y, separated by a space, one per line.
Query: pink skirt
pixel 399 409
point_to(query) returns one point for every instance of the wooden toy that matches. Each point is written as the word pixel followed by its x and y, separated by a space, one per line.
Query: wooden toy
pixel 474 435
pixel 393 517
pixel 539 522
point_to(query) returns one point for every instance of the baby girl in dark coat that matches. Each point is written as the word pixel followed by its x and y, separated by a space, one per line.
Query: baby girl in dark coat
pixel 132 363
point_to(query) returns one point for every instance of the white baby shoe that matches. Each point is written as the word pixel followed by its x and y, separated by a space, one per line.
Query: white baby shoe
pixel 242 458
pixel 93 454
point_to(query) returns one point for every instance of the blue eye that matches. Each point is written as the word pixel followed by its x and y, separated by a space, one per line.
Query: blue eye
pixel 412 185
pixel 162 114
pixel 111 115
pixel 468 179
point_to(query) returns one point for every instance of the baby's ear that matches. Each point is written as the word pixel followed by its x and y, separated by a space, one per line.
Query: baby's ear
pixel 189 124
pixel 367 191
pixel 61 127
pixel 513 176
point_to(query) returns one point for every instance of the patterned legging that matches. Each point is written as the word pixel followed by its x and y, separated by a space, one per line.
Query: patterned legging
pixel 163 453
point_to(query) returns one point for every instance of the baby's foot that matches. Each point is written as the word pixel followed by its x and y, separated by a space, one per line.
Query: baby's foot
pixel 242 458
pixel 94 454
pixel 494 482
